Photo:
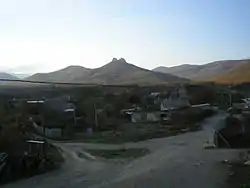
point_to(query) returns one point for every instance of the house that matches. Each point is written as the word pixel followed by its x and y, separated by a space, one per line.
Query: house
pixel 142 116
pixel 247 102
pixel 35 147
pixel 50 129
pixel 139 115
pixel 175 99
pixel 54 117
pixel 59 104
pixel 240 106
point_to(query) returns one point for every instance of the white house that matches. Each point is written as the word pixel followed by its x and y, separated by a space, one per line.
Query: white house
pixel 177 98
pixel 141 116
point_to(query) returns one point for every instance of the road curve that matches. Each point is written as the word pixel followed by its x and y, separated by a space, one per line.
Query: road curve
pixel 176 162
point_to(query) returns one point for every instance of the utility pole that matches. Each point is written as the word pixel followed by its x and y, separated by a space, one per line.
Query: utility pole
pixel 74 116
pixel 43 125
pixel 95 116
pixel 230 99
pixel 221 98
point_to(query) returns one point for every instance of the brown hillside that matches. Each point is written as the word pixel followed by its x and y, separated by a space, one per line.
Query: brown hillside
pixel 240 74
pixel 202 72
pixel 115 72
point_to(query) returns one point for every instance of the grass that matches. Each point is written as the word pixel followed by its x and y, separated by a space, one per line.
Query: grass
pixel 54 155
pixel 238 75
pixel 139 134
pixel 119 153
pixel 134 132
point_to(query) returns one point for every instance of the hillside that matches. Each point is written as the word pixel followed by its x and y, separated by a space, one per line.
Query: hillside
pixel 202 72
pixel 71 73
pixel 240 74
pixel 115 72
pixel 184 71
pixel 7 76
pixel 4 75
pixel 20 75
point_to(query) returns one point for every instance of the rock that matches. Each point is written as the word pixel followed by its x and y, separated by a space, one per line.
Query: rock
pixel 185 130
pixel 247 163
pixel 122 59
pixel 86 155
pixel 199 164
pixel 225 161
pixel 209 146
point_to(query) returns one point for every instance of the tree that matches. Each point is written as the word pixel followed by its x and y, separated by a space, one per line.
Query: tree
pixel 134 99
pixel 89 108
pixel 109 97
pixel 12 140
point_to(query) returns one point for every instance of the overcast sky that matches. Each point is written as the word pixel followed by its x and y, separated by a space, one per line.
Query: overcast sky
pixel 45 35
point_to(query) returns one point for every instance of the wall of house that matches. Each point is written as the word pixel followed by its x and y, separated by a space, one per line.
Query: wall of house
pixel 138 117
pixel 174 104
pixel 177 98
pixel 146 117
pixel 239 105
pixel 48 132
pixel 153 116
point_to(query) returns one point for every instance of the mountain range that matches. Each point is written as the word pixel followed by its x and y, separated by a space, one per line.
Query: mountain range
pixel 4 75
pixel 241 74
pixel 208 71
pixel 20 75
pixel 118 71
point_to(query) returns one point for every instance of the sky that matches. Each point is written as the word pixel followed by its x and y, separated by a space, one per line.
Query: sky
pixel 46 35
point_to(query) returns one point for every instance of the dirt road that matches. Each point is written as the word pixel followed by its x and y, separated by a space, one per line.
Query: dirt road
pixel 174 162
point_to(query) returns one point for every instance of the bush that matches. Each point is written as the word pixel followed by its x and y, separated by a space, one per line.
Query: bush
pixel 12 140
pixel 190 117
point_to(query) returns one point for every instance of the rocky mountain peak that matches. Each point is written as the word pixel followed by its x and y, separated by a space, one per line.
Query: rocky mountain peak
pixel 122 60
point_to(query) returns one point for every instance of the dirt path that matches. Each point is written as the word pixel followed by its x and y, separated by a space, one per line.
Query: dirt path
pixel 178 162
pixel 75 172
pixel 174 162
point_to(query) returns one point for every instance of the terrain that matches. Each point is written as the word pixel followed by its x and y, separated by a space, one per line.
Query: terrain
pixel 20 75
pixel 4 75
pixel 7 76
pixel 203 72
pixel 240 74
pixel 118 71
pixel 115 72
pixel 173 162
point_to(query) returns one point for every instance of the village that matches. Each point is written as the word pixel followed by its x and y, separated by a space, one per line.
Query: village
pixel 35 124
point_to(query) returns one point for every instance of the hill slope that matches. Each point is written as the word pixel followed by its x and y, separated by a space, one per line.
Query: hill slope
pixel 202 72
pixel 115 72
pixel 4 75
pixel 184 71
pixel 240 74
pixel 20 75
pixel 71 73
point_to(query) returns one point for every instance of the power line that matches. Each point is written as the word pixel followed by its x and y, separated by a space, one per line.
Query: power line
pixel 66 83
